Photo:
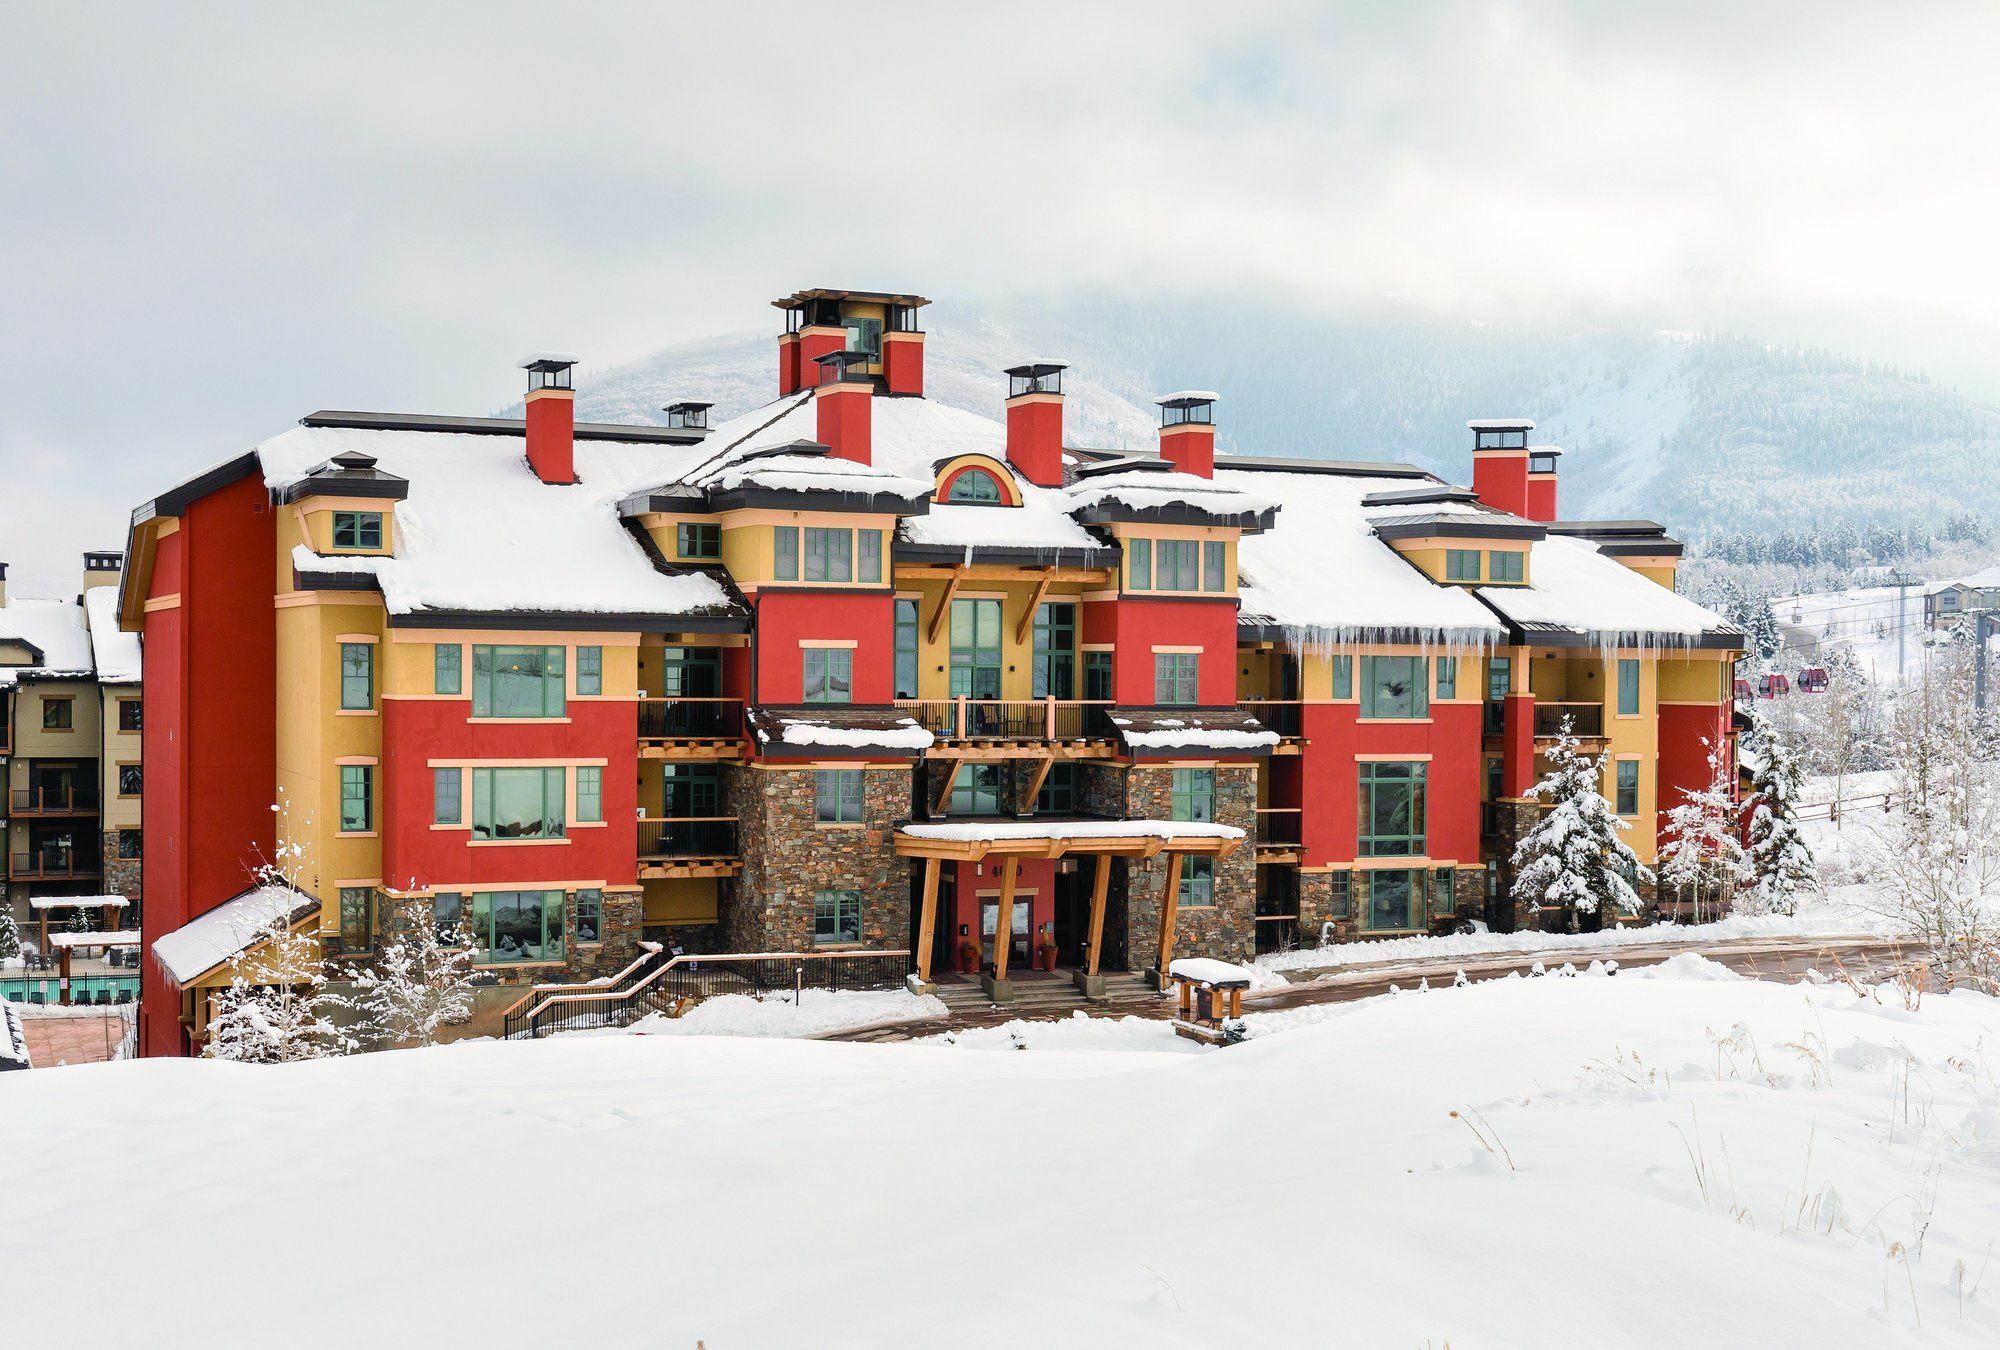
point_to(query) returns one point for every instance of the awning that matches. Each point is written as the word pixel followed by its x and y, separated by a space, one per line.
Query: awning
pixel 227 931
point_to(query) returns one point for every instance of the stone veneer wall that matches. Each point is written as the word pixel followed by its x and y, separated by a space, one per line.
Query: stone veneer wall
pixel 121 877
pixel 1226 930
pixel 788 857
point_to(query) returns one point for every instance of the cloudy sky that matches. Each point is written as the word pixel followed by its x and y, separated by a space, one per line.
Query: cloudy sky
pixel 217 217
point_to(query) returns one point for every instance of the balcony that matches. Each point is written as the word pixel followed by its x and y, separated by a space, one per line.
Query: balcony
pixel 690 728
pixel 70 800
pixel 1278 834
pixel 1586 720
pixel 688 846
pixel 998 728
pixel 1286 716
pixel 52 864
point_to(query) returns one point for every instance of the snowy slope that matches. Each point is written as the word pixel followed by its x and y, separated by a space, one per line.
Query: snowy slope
pixel 1701 1161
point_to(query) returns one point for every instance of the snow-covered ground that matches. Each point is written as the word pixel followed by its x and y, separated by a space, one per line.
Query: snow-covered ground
pixel 1869 621
pixel 817 1013
pixel 1525 1162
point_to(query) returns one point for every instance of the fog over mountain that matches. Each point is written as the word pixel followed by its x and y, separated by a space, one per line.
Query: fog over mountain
pixel 1705 432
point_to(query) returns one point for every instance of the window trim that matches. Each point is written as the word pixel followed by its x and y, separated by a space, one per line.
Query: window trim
pixel 359 520
pixel 589 670
pixel 1456 561
pixel 454 775
pixel 1172 671
pixel 1374 774
pixel 365 775
pixel 842 898
pixel 1630 664
pixel 698 540
pixel 1419 912
pixel 833 786
pixel 1419 693
pixel 454 666
pixel 826 658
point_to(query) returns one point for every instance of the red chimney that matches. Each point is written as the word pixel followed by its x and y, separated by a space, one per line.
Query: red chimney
pixel 844 399
pixel 1542 482
pixel 1187 431
pixel 903 351
pixel 551 417
pixel 1500 463
pixel 1035 421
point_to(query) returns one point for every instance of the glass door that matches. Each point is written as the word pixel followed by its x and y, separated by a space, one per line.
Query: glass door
pixel 976 659
pixel 989 922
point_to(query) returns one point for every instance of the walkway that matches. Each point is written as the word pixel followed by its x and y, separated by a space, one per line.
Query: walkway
pixel 1868 959
pixel 84 1038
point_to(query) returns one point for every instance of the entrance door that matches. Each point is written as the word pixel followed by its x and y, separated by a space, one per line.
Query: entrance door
pixel 1072 914
pixel 54 784
pixel 989 921
pixel 975 658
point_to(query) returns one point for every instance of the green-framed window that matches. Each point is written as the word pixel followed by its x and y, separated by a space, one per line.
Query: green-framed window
pixel 1058 794
pixel 1394 686
pixel 1343 677
pixel 785 552
pixel 448 668
pixel 590 670
pixel 978 789
pixel 829 674
pixel 518 803
pixel 590 915
pixel 976 656
pixel 1215 566
pixel 357 529
pixel 448 917
pixel 836 918
pixel 837 796
pixel 1499 679
pixel 517 682
pixel 357 798
pixel 1447 677
pixel 1176 678
pixel 357 918
pixel 868 555
pixel 1097 675
pixel 590 794
pixel 1138 564
pixel 975 486
pixel 357 675
pixel 1393 808
pixel 512 926
pixel 1461 564
pixel 1193 794
pixel 1176 565
pixel 1627 787
pixel 1339 895
pixel 694 540
pixel 1395 900
pixel 829 554
pixel 1444 900
pixel 447 796
pixel 1197 883
pixel 1054 652
pixel 1506 566
pixel 1628 686
pixel 907 648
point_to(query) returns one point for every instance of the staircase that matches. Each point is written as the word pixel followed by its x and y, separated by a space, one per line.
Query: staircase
pixel 1043 999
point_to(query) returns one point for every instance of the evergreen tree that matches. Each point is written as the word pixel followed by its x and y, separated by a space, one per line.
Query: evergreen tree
pixel 1573 857
pixel 1778 865
pixel 10 936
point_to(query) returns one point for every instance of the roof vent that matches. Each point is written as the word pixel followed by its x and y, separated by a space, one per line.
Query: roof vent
pixel 352 460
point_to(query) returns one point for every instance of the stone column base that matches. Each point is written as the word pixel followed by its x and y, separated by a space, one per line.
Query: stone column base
pixel 1090 986
pixel 1159 981
pixel 997 991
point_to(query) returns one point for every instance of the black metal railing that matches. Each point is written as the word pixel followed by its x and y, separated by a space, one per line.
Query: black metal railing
pixel 669 988
pixel 1584 719
pixel 1279 825
pixel 688 837
pixel 1284 716
pixel 690 719
pixel 993 719
pixel 51 800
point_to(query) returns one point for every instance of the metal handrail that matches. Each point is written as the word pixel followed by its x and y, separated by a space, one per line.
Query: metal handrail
pixel 647 951
pixel 687 837
pixel 694 718
pixel 1282 715
pixel 1012 719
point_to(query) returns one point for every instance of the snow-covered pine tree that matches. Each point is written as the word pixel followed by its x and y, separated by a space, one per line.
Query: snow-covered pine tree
pixel 10 935
pixel 1702 857
pixel 1573 856
pixel 420 983
pixel 1778 863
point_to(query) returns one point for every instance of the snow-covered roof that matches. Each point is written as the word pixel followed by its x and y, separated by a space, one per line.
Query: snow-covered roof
pixel 995 830
pixel 1986 579
pixel 1190 396
pixel 201 944
pixel 77 902
pixel 905 736
pixel 1143 489
pixel 1574 587
pixel 480 532
pixel 124 937
pixel 116 651
pixel 56 628
pixel 1321 574
pixel 1208 970
pixel 1500 424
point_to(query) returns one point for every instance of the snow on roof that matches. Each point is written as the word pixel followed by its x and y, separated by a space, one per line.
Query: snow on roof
pixel 1213 738
pixel 810 473
pixel 201 944
pixel 55 627
pixel 480 532
pixel 1321 573
pixel 1208 970
pixel 907 735
pixel 1150 488
pixel 124 937
pixel 1573 586
pixel 1191 395
pixel 116 651
pixel 557 358
pixel 1071 829
pixel 1986 579
pixel 77 902
pixel 1500 424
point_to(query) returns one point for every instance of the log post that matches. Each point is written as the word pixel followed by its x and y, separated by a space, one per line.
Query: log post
pixel 1170 908
pixel 1100 886
pixel 1003 928
pixel 927 922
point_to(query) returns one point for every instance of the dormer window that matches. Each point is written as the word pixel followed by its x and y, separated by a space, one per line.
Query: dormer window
pixel 687 416
pixel 1541 461
pixel 1177 412
pixel 975 487
pixel 357 529
pixel 1487 438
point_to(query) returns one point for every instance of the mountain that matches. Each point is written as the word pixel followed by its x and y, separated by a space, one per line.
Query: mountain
pixel 1707 433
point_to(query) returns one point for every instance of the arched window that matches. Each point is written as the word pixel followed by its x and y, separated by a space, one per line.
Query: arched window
pixel 974 485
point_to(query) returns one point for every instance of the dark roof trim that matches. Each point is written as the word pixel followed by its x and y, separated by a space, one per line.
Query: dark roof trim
pixel 1458 527
pixel 573 623
pixel 750 496
pixel 904 551
pixel 1423 496
pixel 498 426
pixel 386 487
pixel 305 579
pixel 177 499
pixel 1349 468
pixel 1180 513
pixel 1522 635
pixel 40 655
pixel 1662 547
pixel 1593 528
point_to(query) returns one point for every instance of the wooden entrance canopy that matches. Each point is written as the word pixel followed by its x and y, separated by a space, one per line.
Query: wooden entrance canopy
pixel 1011 841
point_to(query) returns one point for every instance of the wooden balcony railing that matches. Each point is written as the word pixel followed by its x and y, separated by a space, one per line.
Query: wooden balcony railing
pixel 74 800
pixel 690 719
pixel 1585 719
pixel 1278 826
pixel 688 837
pixel 1038 719
pixel 54 865
pixel 1286 716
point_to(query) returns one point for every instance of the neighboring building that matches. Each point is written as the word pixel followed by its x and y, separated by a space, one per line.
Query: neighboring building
pixel 859 670
pixel 1945 603
pixel 69 744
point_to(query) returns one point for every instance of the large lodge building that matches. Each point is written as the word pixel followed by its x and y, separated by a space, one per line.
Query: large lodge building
pixel 861 670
